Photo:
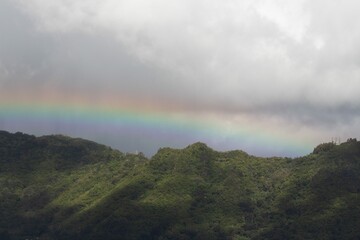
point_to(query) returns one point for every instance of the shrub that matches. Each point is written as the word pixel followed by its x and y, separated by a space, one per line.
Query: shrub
pixel 324 147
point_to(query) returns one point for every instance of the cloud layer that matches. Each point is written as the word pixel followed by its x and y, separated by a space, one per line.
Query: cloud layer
pixel 287 64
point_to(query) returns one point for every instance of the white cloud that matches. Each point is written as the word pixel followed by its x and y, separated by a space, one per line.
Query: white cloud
pixel 232 47
pixel 289 16
pixel 296 62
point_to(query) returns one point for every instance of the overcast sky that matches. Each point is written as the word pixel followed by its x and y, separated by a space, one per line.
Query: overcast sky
pixel 290 66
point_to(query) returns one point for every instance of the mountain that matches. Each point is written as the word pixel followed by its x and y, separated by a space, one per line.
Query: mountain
pixel 57 187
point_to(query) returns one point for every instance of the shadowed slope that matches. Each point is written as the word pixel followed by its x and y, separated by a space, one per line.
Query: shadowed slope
pixel 56 187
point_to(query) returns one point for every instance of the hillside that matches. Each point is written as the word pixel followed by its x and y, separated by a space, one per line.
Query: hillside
pixel 56 187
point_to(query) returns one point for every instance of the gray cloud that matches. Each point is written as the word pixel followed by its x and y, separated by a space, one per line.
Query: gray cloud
pixel 296 61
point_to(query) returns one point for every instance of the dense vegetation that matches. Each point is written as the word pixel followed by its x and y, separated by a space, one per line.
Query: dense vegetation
pixel 56 187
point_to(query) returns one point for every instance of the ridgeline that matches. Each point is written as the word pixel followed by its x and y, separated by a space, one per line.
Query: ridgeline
pixel 57 187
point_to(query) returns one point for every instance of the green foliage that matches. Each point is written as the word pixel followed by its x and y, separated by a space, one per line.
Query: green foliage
pixel 324 147
pixel 56 187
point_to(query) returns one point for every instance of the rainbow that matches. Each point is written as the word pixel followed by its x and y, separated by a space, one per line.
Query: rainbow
pixel 112 120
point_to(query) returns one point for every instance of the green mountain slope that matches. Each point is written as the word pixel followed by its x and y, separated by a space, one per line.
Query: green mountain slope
pixel 56 187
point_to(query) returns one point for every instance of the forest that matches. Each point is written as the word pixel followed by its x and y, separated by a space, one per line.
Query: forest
pixel 58 187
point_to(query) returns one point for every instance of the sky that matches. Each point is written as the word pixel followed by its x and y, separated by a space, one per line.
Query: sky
pixel 268 77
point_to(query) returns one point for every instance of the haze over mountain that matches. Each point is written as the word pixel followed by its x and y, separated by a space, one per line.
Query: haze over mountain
pixel 279 74
pixel 57 187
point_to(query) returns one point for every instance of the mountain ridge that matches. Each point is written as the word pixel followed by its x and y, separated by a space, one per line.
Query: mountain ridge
pixel 57 187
